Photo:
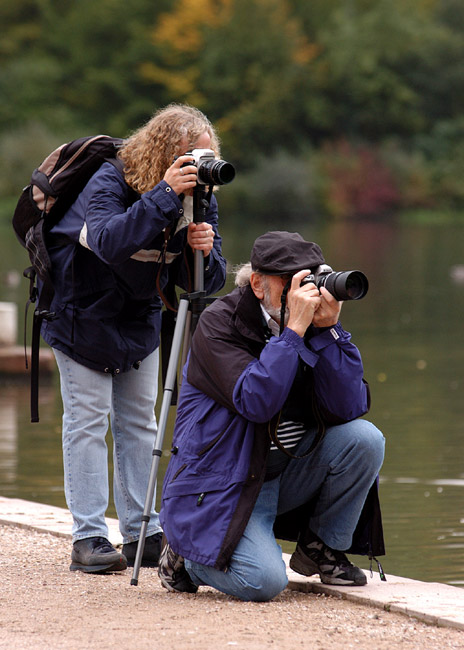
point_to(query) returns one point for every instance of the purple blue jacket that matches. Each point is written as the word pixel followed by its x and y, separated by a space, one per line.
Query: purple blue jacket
pixel 109 263
pixel 234 385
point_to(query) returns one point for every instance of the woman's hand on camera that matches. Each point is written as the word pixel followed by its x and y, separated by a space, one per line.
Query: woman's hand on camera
pixel 303 302
pixel 200 236
pixel 328 312
pixel 182 178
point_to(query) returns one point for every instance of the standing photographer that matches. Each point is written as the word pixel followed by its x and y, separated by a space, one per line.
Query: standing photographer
pixel 267 441
pixel 128 235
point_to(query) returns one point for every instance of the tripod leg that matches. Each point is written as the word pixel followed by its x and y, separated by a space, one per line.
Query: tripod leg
pixel 157 450
pixel 187 336
pixel 200 205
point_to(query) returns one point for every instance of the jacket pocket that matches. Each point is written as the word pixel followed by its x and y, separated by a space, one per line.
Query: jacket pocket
pixel 211 444
pixel 203 435
pixel 194 485
pixel 179 471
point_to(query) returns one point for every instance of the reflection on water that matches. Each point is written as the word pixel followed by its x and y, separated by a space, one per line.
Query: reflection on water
pixel 409 329
pixel 8 440
pixel 30 464
pixel 424 522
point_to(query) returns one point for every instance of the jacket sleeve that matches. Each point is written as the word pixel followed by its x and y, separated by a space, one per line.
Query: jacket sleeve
pixel 257 387
pixel 114 231
pixel 338 376
pixel 264 385
pixel 223 367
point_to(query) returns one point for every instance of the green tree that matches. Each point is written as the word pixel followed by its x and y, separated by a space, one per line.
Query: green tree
pixel 77 64
pixel 278 77
pixel 377 57
pixel 244 63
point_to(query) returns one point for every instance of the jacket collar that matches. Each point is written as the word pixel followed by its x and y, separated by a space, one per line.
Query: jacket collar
pixel 248 316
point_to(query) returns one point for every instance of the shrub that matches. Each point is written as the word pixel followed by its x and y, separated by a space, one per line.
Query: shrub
pixel 354 181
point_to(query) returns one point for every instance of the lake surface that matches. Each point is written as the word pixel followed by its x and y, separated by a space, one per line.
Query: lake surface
pixel 409 328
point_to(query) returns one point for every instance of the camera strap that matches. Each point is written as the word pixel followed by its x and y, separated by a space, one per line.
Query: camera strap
pixel 283 306
pixel 167 302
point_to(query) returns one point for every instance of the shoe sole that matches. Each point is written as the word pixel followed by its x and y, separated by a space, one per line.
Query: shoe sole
pixel 120 565
pixel 327 580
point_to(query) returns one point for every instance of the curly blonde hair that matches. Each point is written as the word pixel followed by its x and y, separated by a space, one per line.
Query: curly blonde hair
pixel 149 151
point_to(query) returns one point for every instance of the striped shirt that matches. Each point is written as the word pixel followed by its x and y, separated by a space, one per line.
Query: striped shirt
pixel 289 434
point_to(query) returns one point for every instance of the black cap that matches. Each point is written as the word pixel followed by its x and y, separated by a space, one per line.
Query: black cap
pixel 284 253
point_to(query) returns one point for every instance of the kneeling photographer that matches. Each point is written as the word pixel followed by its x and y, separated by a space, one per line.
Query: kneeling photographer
pixel 267 441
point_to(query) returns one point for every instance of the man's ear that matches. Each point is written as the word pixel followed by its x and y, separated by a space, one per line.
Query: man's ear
pixel 257 285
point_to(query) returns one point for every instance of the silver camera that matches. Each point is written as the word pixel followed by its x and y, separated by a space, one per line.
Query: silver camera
pixel 209 170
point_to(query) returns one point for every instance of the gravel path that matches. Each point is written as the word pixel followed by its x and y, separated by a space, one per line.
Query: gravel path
pixel 45 606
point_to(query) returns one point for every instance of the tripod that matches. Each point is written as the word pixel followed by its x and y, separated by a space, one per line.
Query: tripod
pixel 190 307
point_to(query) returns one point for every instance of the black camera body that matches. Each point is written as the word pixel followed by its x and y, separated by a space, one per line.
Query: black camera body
pixel 209 170
pixel 343 285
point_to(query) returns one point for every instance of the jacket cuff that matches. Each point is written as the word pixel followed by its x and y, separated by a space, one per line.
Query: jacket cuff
pixel 330 335
pixel 166 200
pixel 209 264
pixel 293 339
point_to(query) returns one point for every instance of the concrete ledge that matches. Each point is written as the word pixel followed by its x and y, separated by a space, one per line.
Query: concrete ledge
pixel 430 602
pixel 45 518
pixel 12 360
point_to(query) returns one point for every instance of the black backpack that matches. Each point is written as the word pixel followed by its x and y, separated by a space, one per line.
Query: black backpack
pixel 54 186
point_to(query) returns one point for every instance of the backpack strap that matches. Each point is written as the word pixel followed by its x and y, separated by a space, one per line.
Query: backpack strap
pixel 41 312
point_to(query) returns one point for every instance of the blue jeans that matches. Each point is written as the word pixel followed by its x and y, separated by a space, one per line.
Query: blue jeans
pixel 89 397
pixel 339 472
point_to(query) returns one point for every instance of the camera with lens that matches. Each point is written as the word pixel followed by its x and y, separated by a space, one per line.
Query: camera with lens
pixel 343 285
pixel 209 170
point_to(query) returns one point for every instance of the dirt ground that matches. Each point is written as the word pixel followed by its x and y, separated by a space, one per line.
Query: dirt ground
pixel 44 605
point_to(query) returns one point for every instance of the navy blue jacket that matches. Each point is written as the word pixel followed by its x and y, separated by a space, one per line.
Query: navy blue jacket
pixel 233 388
pixel 106 297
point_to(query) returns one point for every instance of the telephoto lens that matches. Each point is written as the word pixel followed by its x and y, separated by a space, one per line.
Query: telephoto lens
pixel 343 285
pixel 346 285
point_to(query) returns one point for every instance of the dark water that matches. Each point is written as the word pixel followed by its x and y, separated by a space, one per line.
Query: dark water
pixel 410 331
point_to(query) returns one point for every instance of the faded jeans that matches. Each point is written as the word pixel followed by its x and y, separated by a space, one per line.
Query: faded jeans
pixel 340 471
pixel 89 397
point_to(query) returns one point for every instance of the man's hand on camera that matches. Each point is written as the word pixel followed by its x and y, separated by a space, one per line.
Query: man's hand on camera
pixel 200 236
pixel 303 302
pixel 182 178
pixel 328 312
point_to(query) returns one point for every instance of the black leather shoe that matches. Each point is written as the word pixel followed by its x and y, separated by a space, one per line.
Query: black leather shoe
pixel 96 555
pixel 151 551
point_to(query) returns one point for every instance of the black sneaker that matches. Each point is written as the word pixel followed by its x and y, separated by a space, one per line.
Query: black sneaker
pixel 96 555
pixel 333 567
pixel 172 571
pixel 151 551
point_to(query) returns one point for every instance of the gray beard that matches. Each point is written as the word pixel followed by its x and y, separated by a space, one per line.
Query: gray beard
pixel 274 312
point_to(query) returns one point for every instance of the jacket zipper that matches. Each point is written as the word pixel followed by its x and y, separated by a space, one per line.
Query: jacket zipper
pixel 211 444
